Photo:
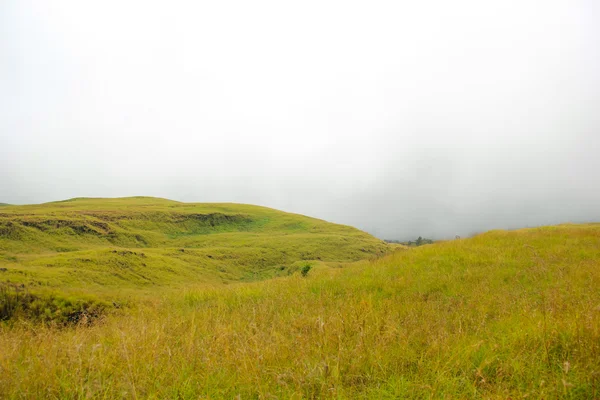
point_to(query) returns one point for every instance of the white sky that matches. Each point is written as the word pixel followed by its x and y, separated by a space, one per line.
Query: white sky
pixel 403 118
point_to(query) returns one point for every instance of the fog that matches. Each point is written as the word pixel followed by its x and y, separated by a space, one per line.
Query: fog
pixel 429 118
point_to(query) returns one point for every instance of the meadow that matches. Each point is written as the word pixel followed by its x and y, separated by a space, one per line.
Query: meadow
pixel 505 314
pixel 90 253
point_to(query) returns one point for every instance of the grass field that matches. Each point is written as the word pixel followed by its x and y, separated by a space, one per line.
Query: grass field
pixel 94 252
pixel 500 315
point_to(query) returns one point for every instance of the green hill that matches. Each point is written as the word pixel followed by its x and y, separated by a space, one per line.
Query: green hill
pixel 505 314
pixel 144 242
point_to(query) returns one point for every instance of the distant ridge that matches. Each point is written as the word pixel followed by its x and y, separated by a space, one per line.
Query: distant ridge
pixel 150 198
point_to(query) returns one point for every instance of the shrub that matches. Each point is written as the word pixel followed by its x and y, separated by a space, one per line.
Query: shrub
pixel 305 269
pixel 17 302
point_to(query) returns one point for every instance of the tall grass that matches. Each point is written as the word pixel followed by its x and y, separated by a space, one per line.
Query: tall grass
pixel 502 315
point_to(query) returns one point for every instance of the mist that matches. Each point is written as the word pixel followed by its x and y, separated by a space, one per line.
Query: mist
pixel 433 119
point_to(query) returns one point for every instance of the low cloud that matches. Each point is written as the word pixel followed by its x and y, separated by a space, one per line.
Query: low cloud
pixel 402 119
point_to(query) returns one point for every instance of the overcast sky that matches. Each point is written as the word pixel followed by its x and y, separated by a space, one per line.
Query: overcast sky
pixel 404 118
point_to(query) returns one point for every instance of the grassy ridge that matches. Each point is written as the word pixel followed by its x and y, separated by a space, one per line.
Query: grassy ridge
pixel 502 315
pixel 141 241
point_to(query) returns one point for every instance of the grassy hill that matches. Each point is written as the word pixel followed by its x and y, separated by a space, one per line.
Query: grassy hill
pixel 144 242
pixel 501 315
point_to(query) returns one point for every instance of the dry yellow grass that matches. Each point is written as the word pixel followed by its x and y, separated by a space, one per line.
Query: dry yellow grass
pixel 502 315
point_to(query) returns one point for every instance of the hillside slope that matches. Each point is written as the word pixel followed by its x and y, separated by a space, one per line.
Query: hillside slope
pixel 498 316
pixel 142 241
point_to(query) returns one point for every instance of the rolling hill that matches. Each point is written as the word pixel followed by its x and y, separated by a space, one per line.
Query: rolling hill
pixel 505 314
pixel 142 241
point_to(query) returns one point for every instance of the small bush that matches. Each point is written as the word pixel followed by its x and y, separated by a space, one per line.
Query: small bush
pixel 304 271
pixel 17 302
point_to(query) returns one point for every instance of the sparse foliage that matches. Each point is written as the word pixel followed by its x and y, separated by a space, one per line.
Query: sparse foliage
pixel 305 269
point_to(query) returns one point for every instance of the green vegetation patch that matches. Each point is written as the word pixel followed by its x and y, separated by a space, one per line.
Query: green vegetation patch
pixel 18 302
pixel 143 242
pixel 500 315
